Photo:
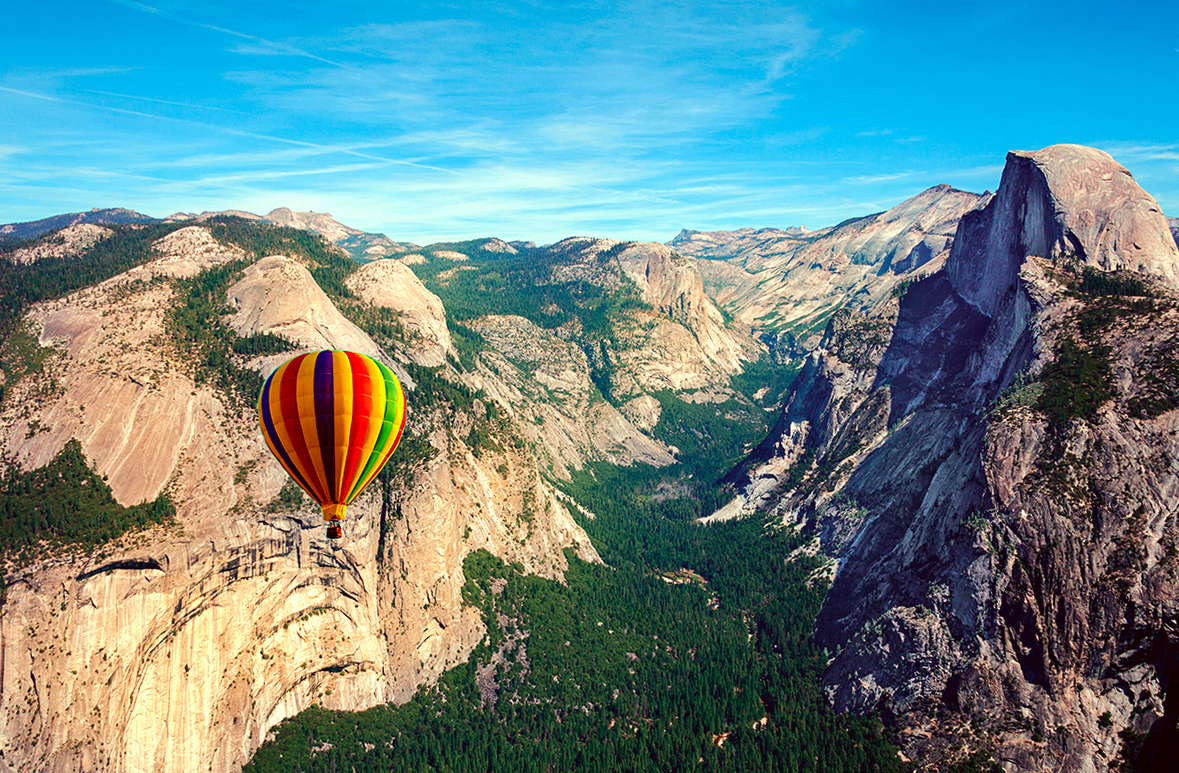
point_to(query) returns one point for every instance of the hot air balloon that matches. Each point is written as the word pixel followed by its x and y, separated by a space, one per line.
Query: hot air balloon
pixel 332 419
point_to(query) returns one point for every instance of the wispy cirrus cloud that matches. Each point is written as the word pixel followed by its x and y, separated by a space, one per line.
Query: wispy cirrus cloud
pixel 252 44
pixel 524 118
pixel 871 179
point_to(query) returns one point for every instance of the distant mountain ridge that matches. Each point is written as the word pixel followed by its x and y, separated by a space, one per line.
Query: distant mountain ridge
pixel 34 228
pixel 361 245
pixel 785 284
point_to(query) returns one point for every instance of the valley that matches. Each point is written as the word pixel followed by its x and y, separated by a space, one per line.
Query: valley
pixel 919 468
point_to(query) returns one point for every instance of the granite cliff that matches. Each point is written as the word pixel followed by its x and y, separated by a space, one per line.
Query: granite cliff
pixel 988 459
pixel 179 647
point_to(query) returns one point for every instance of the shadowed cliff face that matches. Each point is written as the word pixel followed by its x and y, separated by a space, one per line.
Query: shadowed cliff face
pixel 1003 548
pixel 178 648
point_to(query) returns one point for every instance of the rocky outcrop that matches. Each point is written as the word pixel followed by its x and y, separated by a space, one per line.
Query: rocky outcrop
pixel 278 295
pixel 392 285
pixel 359 244
pixel 69 242
pixel 999 565
pixel 185 253
pixel 178 648
pixel 1173 223
pixel 681 343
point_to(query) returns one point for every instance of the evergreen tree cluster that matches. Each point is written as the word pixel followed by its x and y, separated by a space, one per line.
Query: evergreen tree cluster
pixel 65 503
pixel 691 651
pixel 207 345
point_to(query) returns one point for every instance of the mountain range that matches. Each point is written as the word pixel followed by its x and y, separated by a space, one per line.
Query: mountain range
pixel 962 410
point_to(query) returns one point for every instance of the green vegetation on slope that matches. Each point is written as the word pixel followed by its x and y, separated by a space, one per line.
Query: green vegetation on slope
pixel 690 652
pixel 207 345
pixel 66 504
pixel 23 285
pixel 523 285
pixel 711 437
pixel 1079 381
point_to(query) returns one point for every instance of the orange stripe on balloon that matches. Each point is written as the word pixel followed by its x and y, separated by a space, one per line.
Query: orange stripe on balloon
pixel 394 415
pixel 376 416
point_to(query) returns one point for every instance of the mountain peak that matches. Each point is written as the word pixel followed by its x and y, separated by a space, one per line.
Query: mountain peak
pixel 1064 202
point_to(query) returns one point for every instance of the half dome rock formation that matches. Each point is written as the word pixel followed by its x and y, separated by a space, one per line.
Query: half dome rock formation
pixel 1068 203
pixel 1000 441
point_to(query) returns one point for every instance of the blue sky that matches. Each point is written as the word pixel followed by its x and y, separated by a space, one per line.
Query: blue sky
pixel 531 120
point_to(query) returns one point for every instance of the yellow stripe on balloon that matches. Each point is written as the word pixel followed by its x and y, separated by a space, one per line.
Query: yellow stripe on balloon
pixel 342 389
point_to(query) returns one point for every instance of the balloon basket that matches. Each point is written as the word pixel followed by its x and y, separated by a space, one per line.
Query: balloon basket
pixel 335 532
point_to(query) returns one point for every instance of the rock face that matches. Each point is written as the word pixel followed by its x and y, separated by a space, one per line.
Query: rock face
pixel 999 564
pixel 785 284
pixel 675 287
pixel 680 343
pixel 1064 202
pixel 391 285
pixel 278 295
pixel 545 383
pixel 178 648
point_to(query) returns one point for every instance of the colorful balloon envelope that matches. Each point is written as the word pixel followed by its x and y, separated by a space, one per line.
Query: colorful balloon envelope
pixel 332 419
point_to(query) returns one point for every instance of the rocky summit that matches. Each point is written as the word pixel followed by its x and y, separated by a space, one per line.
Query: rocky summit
pixel 960 413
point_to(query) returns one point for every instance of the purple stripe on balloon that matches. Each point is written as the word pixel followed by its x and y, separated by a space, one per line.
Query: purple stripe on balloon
pixel 325 419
